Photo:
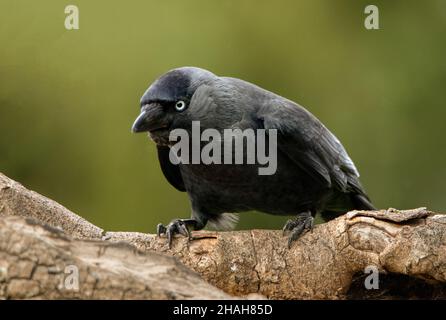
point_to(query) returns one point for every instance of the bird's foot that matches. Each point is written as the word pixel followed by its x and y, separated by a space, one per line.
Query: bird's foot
pixel 297 227
pixel 176 226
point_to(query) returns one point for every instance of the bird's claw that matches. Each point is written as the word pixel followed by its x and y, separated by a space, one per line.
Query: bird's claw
pixel 177 226
pixel 297 227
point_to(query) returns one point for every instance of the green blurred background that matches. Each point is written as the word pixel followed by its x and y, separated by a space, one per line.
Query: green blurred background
pixel 68 98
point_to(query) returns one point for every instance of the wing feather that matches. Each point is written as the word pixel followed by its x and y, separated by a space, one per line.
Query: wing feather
pixel 171 171
pixel 312 146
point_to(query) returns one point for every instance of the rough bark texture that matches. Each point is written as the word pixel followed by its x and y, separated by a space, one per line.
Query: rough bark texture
pixel 37 261
pixel 407 247
pixel 17 200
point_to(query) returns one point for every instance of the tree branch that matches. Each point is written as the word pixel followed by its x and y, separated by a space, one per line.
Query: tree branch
pixel 38 261
pixel 407 247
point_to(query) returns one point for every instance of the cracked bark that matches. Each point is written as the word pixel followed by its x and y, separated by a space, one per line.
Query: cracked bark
pixel 38 261
pixel 407 247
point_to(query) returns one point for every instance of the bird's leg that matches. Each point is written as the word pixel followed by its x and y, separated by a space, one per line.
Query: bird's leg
pixel 296 227
pixel 178 226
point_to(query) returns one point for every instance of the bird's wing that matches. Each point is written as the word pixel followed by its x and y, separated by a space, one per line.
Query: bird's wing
pixel 171 171
pixel 307 142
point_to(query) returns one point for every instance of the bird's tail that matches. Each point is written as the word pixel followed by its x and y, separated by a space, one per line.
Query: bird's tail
pixel 346 202
pixel 361 202
pixel 224 221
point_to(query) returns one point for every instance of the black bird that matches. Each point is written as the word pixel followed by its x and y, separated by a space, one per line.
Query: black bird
pixel 314 172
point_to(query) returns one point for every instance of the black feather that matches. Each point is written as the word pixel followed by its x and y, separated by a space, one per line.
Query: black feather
pixel 171 171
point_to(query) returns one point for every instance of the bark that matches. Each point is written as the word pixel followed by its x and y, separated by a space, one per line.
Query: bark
pixel 38 261
pixel 408 248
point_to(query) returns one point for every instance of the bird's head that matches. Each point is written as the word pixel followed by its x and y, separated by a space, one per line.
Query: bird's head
pixel 164 105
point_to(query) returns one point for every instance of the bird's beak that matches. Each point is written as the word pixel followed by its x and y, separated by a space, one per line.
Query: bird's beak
pixel 149 119
pixel 140 123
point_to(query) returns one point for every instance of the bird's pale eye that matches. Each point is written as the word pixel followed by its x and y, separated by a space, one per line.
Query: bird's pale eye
pixel 180 105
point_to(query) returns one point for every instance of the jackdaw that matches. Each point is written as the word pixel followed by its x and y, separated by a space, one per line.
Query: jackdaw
pixel 314 172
